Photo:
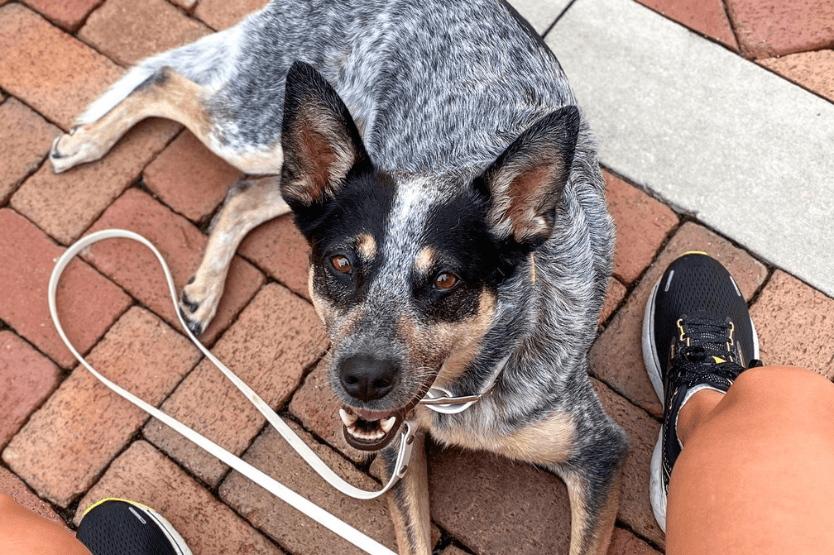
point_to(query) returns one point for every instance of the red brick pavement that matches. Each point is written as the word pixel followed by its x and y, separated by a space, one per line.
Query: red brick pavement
pixel 64 438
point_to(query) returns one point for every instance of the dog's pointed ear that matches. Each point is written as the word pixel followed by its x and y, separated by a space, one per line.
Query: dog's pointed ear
pixel 526 181
pixel 319 139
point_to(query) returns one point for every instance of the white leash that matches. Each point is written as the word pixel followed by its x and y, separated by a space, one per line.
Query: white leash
pixel 315 512
pixel 438 399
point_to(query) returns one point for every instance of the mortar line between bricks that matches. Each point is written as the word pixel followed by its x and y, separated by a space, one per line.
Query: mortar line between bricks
pixel 635 533
pixel 214 492
pixel 22 101
pixel 18 184
pixel 725 5
pixel 183 10
pixel 62 376
pixel 447 539
pixel 694 31
pixel 83 22
pixel 130 186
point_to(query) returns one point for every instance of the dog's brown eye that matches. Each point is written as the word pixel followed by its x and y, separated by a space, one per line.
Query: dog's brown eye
pixel 341 264
pixel 445 281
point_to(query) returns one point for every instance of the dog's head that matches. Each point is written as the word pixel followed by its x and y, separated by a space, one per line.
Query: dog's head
pixel 407 270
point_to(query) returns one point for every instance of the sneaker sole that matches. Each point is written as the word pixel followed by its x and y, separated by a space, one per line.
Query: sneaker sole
pixel 651 359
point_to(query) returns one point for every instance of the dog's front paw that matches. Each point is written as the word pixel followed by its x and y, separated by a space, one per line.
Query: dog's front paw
pixel 72 149
pixel 198 304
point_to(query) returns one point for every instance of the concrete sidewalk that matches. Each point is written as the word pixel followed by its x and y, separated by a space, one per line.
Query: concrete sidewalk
pixel 715 123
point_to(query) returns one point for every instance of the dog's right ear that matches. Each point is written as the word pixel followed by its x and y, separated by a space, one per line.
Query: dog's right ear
pixel 319 138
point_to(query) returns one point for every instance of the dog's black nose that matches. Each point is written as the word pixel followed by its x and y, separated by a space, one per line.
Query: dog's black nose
pixel 367 378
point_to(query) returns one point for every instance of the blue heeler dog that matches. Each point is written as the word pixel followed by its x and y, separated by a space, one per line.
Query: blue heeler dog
pixel 435 160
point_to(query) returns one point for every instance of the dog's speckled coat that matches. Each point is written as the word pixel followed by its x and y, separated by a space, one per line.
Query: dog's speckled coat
pixel 413 183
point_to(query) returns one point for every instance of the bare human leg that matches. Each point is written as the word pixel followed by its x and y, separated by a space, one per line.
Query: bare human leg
pixel 756 473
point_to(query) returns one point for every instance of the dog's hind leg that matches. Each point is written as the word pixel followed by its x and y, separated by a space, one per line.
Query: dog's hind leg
pixel 408 500
pixel 248 204
pixel 164 94
pixel 173 85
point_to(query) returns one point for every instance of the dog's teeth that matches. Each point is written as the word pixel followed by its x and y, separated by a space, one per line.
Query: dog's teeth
pixel 348 419
pixel 387 424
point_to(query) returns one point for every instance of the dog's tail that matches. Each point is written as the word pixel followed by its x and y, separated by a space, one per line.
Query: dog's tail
pixel 208 61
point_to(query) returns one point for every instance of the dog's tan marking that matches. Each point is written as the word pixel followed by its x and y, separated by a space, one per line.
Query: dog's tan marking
pixel 366 246
pixel 545 442
pixel 425 260
pixel 548 441
pixel 165 94
pixel 248 205
pixel 450 346
pixel 600 536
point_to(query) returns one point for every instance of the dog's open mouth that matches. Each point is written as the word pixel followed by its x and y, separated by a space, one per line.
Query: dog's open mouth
pixel 369 430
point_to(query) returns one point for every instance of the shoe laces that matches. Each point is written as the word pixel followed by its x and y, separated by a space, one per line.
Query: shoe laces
pixel 705 348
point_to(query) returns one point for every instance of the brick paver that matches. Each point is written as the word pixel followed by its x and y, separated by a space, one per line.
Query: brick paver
pixel 209 527
pixel 71 439
pixel 87 301
pixel 134 267
pixel 26 379
pixel 279 249
pixel 189 178
pixel 707 17
pixel 317 407
pixel 642 225
pixel 68 14
pixel 64 205
pixel 221 14
pixel 299 535
pixel 812 70
pixel 617 356
pixel 25 138
pixel 12 486
pixel 49 69
pixel 273 341
pixel 498 506
pixel 128 31
pixel 768 28
pixel 795 324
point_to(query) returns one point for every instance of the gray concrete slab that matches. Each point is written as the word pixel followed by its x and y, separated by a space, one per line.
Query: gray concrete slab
pixel 540 13
pixel 743 150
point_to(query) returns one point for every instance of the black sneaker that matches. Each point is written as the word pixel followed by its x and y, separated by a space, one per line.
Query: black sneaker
pixel 119 527
pixel 697 334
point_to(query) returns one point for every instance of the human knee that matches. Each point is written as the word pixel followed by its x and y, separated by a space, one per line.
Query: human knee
pixel 786 385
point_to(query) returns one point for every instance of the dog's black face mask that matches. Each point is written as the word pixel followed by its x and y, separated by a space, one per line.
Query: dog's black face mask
pixel 407 270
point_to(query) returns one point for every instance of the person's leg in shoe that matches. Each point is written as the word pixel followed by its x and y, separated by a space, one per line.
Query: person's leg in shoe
pixel 756 472
pixel 749 471
pixel 22 532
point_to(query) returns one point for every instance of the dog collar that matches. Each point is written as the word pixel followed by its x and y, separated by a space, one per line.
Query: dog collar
pixel 439 399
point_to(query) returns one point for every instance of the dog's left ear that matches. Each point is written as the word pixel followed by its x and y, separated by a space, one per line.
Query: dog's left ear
pixel 527 180
pixel 319 138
